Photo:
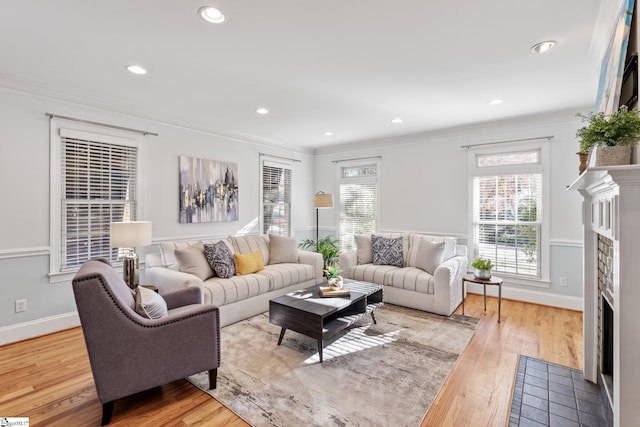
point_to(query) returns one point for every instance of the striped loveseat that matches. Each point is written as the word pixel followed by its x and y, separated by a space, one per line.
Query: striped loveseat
pixel 183 264
pixel 417 270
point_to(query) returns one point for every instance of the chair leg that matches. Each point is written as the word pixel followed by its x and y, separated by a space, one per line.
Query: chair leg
pixel 107 412
pixel 213 379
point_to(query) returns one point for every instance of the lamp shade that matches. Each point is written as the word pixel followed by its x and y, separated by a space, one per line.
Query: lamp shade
pixel 130 234
pixel 322 200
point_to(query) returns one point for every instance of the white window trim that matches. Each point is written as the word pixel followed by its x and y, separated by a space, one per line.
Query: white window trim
pixel 542 166
pixel 277 162
pixel 59 127
pixel 339 180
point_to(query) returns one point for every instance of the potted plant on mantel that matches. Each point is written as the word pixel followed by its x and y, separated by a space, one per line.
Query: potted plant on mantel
pixel 612 136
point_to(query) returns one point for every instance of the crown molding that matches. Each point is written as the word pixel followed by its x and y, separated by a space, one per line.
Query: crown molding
pixel 110 105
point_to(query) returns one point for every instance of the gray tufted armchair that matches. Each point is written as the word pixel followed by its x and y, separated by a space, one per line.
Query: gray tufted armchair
pixel 130 353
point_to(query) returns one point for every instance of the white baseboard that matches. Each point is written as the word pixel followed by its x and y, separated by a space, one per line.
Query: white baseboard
pixel 536 297
pixel 35 328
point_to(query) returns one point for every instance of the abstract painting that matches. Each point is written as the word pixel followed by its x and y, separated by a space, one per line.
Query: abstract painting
pixel 208 190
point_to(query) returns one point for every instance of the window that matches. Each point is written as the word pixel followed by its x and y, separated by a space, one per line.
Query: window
pixel 97 184
pixel 358 201
pixel 276 198
pixel 508 225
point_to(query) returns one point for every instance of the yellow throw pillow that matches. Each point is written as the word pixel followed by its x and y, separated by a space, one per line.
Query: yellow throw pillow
pixel 248 263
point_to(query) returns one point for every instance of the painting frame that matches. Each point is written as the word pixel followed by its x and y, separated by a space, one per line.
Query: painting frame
pixel 208 190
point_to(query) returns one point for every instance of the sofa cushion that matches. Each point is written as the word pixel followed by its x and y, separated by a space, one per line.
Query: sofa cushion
pixel 193 261
pixel 387 251
pixel 220 257
pixel 370 273
pixel 221 291
pixel 429 255
pixel 405 241
pixel 150 304
pixel 287 274
pixel 167 251
pixel 248 263
pixel 410 278
pixel 249 244
pixel 364 251
pixel 282 249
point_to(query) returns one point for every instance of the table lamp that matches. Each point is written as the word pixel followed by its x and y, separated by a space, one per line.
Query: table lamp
pixel 129 235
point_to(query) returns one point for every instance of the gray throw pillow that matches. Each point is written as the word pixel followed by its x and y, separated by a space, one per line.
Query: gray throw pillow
pixel 282 249
pixel 387 251
pixel 364 251
pixel 150 304
pixel 220 258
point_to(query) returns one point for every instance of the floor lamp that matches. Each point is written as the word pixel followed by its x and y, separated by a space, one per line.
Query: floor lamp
pixel 321 201
pixel 129 235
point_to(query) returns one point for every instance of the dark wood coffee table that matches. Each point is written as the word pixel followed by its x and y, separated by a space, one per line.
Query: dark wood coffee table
pixel 306 312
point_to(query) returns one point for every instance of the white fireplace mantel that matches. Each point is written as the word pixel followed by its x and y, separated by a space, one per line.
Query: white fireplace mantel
pixel 611 208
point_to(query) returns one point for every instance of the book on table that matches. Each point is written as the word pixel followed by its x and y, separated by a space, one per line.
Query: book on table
pixel 327 292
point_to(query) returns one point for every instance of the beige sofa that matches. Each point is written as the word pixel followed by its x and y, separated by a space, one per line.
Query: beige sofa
pixel 183 264
pixel 418 271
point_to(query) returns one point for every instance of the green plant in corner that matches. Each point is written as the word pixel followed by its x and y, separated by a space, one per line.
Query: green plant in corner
pixel 482 264
pixel 327 247
pixel 619 128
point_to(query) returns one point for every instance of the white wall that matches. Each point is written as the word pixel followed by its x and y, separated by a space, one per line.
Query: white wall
pixel 424 188
pixel 25 188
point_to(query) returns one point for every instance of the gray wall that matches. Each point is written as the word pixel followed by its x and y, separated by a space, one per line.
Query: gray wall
pixel 424 186
pixel 25 177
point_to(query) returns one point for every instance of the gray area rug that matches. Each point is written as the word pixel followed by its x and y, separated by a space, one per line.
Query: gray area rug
pixel 373 375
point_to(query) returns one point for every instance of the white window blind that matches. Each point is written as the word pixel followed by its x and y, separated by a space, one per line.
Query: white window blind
pixel 276 199
pixel 358 202
pixel 98 187
pixel 507 214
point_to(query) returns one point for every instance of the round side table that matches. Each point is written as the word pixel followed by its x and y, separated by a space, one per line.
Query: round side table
pixel 493 281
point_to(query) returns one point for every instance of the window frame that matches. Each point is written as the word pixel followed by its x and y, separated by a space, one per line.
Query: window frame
pixel 91 133
pixel 278 163
pixel 342 180
pixel 541 167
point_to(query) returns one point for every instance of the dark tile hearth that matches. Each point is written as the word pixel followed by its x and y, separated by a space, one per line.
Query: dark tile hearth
pixel 546 394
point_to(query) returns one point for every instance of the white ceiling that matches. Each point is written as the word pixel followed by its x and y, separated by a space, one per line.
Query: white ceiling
pixel 347 66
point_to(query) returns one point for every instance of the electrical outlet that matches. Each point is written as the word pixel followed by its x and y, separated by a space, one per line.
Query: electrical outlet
pixel 563 281
pixel 21 305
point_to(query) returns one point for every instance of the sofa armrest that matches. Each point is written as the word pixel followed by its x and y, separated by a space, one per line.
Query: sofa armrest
pixel 448 281
pixel 168 280
pixel 314 259
pixel 346 261
pixel 183 297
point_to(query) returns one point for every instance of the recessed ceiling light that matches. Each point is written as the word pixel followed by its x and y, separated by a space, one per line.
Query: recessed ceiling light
pixel 328 134
pixel 396 120
pixel 496 101
pixel 262 111
pixel 211 14
pixel 542 47
pixel 136 69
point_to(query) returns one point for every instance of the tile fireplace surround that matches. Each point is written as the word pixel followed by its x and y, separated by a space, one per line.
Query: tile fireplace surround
pixel 611 219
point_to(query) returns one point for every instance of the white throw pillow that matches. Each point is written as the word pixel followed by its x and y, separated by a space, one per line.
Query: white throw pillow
pixel 192 260
pixel 282 249
pixel 430 255
pixel 364 250
pixel 150 304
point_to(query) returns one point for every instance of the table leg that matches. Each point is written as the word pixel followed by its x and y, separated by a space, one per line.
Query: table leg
pixel 485 299
pixel 499 300
pixel 320 349
pixel 282 331
pixel 375 322
pixel 463 296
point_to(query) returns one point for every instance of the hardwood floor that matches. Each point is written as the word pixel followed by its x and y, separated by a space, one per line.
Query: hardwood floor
pixel 48 379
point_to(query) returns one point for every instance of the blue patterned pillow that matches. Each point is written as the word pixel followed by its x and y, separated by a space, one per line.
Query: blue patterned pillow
pixel 387 251
pixel 221 260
